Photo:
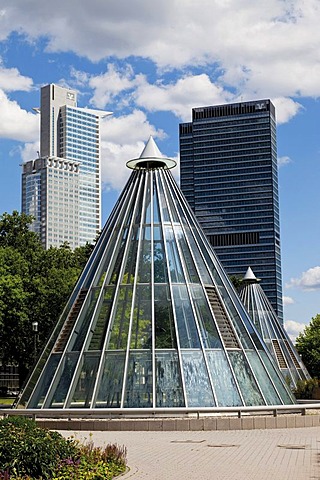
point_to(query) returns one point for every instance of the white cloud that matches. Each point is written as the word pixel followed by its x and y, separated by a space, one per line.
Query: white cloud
pixel 282 161
pixel 16 123
pixel 11 80
pixel 110 84
pixel 309 280
pixel 268 49
pixel 285 109
pixel 30 151
pixel 293 328
pixel 287 300
pixel 123 138
pixel 180 97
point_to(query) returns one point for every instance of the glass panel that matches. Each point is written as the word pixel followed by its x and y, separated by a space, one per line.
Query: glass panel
pixel 169 391
pixel 163 318
pixel 237 322
pixel 102 321
pixel 129 271
pixel 159 258
pixel 263 379
pixel 163 202
pixel 284 393
pixel 204 274
pixel 245 379
pixel 188 260
pixel 208 329
pixel 64 378
pixel 148 200
pixel 144 273
pixel 198 390
pixel 83 323
pixel 156 213
pixel 118 258
pixel 187 330
pixel 120 323
pixel 110 386
pixel 141 336
pixel 44 381
pixel 82 395
pixel 138 391
pixel 225 387
pixel 173 257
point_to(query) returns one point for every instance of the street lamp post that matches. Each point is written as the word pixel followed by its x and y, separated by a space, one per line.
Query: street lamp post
pixel 35 332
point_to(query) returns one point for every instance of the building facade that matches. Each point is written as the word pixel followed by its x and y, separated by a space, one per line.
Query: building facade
pixel 229 175
pixel 62 188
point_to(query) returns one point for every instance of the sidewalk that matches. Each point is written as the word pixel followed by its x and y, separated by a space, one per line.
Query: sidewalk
pixel 280 454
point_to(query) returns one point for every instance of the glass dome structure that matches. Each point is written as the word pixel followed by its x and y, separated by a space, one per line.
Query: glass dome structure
pixel 272 331
pixel 154 321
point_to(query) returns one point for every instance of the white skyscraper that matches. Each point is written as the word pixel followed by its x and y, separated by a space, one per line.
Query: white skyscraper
pixel 62 189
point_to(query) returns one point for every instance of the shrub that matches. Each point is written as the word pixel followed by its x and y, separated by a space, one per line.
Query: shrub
pixel 26 449
pixel 305 388
pixel 30 452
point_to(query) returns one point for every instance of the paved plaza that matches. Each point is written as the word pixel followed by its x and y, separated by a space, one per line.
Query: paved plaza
pixel 279 454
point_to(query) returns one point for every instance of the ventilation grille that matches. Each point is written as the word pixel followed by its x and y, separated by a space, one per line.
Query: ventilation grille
pixel 228 336
pixel 69 323
pixel 294 359
pixel 281 360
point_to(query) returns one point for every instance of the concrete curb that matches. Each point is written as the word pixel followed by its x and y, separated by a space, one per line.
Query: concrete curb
pixel 185 424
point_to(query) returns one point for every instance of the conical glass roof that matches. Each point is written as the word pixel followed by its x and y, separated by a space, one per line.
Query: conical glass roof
pixel 271 330
pixel 154 321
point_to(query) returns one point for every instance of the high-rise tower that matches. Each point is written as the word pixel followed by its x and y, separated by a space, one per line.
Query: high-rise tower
pixel 229 176
pixel 62 189
pixel 154 321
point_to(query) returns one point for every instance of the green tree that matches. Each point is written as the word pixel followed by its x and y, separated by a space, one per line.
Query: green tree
pixel 308 346
pixel 34 286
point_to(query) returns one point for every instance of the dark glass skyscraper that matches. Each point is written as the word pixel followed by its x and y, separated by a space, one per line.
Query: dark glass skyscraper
pixel 229 176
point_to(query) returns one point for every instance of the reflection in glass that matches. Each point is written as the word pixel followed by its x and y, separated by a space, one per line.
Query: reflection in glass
pixel 110 386
pixel 141 323
pixel 283 392
pixel 209 333
pixel 129 270
pixel 198 390
pixel 264 380
pixel 45 380
pixel 138 389
pixel 190 268
pixel 99 328
pixel 159 257
pixel 165 335
pixel 187 329
pixel 173 257
pixel 223 382
pixel 83 323
pixel 169 391
pixel 65 374
pixel 246 381
pixel 144 273
pixel 82 394
pixel 120 324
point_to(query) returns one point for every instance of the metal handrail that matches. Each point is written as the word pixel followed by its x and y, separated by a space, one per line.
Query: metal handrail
pixel 116 413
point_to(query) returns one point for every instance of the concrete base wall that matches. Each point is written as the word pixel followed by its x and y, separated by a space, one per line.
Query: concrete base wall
pixel 185 424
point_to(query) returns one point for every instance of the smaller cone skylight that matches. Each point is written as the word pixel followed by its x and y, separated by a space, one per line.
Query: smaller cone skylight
pixel 274 335
pixel 154 321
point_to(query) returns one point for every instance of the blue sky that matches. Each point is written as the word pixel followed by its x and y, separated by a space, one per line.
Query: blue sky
pixel 150 64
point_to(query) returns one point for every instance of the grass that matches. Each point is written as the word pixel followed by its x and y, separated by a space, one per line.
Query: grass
pixel 6 400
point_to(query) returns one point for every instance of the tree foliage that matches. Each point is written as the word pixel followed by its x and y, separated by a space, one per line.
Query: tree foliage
pixel 34 286
pixel 308 346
